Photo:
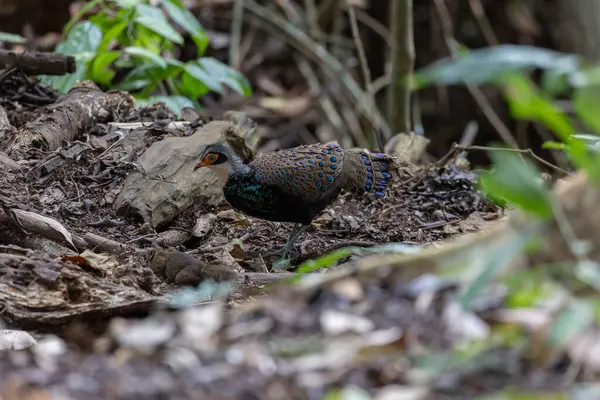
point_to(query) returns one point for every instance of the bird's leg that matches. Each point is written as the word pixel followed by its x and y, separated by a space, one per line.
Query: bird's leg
pixel 296 232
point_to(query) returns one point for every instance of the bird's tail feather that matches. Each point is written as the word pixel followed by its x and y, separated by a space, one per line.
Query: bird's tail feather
pixel 369 172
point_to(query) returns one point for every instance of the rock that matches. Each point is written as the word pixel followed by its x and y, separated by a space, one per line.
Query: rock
pixel 169 184
pixel 15 340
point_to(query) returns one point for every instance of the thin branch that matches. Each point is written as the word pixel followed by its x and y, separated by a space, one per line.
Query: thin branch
pixel 236 33
pixel 402 58
pixel 375 25
pixel 364 66
pixel 483 22
pixel 521 151
pixel 334 70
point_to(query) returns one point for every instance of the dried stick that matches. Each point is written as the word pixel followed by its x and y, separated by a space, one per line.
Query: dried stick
pixel 236 33
pixel 483 22
pixel 362 57
pixel 37 63
pixel 402 58
pixel 521 151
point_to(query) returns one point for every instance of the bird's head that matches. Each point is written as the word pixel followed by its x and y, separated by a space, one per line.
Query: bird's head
pixel 214 156
pixel 219 158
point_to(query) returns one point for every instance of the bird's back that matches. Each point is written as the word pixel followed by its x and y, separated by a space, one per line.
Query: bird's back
pixel 296 184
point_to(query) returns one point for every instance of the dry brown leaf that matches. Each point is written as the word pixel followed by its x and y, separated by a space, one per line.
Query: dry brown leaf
pixel 203 225
pixel 49 222
pixel 287 107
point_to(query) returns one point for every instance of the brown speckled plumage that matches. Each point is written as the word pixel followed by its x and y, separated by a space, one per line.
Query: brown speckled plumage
pixel 295 185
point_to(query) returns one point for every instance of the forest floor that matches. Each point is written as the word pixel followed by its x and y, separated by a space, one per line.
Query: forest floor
pixel 359 330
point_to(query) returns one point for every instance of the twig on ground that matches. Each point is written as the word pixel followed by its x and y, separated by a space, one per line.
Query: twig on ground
pixel 522 151
pixel 329 249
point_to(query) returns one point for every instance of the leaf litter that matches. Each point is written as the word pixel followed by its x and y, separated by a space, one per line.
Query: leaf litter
pixel 390 336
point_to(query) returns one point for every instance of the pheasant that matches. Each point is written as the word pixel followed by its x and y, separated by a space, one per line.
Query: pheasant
pixel 297 184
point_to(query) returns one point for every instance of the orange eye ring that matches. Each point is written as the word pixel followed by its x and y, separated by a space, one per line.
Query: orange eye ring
pixel 210 159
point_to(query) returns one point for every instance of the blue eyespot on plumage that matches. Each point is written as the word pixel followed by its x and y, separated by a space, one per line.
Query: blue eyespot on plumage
pixel 333 159
pixel 333 166
pixel 319 156
pixel 369 169
pixel 369 176
pixel 387 175
pixel 383 181
pixel 368 187
pixel 330 178
pixel 310 175
pixel 321 164
pixel 379 194
pixel 367 162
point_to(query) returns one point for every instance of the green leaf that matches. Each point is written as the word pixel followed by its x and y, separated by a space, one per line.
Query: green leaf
pixel 553 145
pixel 196 82
pixel 136 84
pixel 86 7
pixel 151 73
pixel 112 34
pixel 526 102
pixel 579 153
pixel 585 103
pixel 326 261
pixel 99 71
pixel 570 322
pixel 187 21
pixel 129 3
pixel 81 42
pixel 85 37
pixel 145 53
pixel 154 19
pixel 516 182
pixel 11 38
pixel 226 75
pixel 489 64
pixel 175 103
pixel 491 263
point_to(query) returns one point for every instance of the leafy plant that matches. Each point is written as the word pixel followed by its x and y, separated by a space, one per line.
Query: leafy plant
pixel 515 181
pixel 11 38
pixel 138 38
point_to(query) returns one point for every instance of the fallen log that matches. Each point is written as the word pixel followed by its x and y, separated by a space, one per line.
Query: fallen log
pixel 38 63
pixel 70 117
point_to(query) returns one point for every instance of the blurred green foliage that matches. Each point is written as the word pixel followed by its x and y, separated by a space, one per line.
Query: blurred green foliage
pixel 139 38
pixel 11 38
pixel 570 288
pixel 563 75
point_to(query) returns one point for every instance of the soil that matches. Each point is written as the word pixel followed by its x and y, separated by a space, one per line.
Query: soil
pixel 171 355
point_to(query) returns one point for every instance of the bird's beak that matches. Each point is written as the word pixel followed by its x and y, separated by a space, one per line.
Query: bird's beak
pixel 202 164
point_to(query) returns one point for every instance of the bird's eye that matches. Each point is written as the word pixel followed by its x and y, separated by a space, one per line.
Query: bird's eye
pixel 212 158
